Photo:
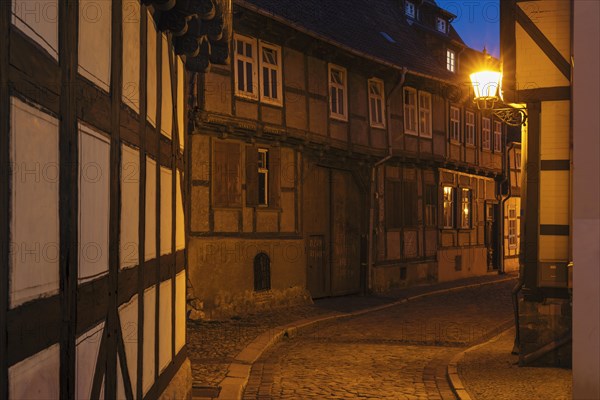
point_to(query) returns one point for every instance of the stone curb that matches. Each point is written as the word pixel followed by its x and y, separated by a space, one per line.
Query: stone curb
pixel 238 372
pixel 456 383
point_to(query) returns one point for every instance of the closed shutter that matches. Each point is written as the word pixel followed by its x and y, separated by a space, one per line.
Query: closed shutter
pixel 274 177
pixel 226 175
pixel 410 203
pixel 251 176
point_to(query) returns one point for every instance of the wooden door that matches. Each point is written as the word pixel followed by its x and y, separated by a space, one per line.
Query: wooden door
pixel 316 269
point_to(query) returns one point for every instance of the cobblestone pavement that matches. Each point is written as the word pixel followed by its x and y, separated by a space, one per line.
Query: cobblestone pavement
pixel 491 372
pixel 397 353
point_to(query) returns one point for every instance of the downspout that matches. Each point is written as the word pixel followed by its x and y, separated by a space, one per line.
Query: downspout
pixel 370 258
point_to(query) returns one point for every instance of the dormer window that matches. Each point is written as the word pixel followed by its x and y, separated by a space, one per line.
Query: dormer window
pixel 442 25
pixel 409 9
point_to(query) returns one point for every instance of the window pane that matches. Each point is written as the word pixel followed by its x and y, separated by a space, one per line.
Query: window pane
pixel 240 47
pixel 249 82
pixel 334 108
pixel 248 50
pixel 274 83
pixel 341 101
pixel 266 85
pixel 240 75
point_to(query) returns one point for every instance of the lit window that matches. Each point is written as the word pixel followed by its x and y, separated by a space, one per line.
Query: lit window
pixel 376 103
pixel 486 134
pixel 246 79
pixel 270 66
pixel 455 124
pixel 470 128
pixel 448 207
pixel 410 9
pixel 425 114
pixel 518 160
pixel 337 92
pixel 497 136
pixel 512 227
pixel 410 111
pixel 441 25
pixel 450 60
pixel 263 177
pixel 465 209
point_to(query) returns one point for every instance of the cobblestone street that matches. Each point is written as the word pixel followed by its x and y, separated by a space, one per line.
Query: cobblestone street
pixel 397 353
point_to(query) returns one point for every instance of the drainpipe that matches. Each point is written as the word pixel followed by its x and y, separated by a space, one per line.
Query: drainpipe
pixel 370 258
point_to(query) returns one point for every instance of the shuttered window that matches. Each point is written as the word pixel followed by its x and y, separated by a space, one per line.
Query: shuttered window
pixel 227 190
pixel 431 205
pixel 400 204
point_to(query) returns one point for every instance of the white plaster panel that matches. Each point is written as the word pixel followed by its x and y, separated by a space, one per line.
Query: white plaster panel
pixel 130 206
pixel 94 203
pixel 151 88
pixel 181 102
pixel 179 215
pixel 166 210
pixel 555 197
pixel 95 41
pixel 39 21
pixel 180 288
pixel 149 338
pixel 164 319
pixel 131 53
pixel 166 114
pixel 36 377
pixel 128 314
pixel 150 234
pixel 34 218
pixel 86 352
pixel 555 143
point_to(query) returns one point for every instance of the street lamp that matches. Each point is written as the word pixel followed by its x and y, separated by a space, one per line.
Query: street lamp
pixel 487 87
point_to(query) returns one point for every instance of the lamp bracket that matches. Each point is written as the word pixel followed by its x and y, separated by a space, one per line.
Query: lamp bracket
pixel 511 116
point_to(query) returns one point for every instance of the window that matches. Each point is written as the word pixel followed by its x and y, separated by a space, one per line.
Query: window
pixel 270 66
pixel 227 190
pixel 517 160
pixel 376 99
pixel 448 207
pixel 512 227
pixel 497 136
pixel 409 8
pixel 465 209
pixel 470 128
pixel 410 111
pixel 409 203
pixel 455 124
pixel 262 272
pixel 425 114
pixel 337 92
pixel 441 25
pixel 246 79
pixel 450 60
pixel 263 177
pixel 485 133
pixel 400 204
pixel 430 205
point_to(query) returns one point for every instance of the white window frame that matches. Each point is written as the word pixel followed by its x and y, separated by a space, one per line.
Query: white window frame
pixel 263 169
pixel 449 199
pixel 278 74
pixel 486 134
pixel 343 87
pixel 497 136
pixel 512 227
pixel 425 115
pixel 410 9
pixel 441 25
pixel 376 100
pixel 454 128
pixel 470 128
pixel 246 60
pixel 450 60
pixel 518 160
pixel 410 112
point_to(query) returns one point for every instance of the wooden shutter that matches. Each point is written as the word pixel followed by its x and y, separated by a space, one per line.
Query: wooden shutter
pixel 409 206
pixel 274 177
pixel 393 207
pixel 251 176
pixel 226 175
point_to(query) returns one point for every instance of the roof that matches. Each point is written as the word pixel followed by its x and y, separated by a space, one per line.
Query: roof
pixel 362 26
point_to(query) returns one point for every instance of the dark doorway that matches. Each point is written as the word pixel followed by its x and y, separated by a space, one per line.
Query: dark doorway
pixel 262 272
pixel 492 220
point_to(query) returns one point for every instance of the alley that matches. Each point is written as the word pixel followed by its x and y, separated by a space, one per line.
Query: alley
pixel 397 353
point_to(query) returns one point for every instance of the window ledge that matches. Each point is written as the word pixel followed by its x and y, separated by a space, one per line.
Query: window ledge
pixel 338 117
pixel 245 96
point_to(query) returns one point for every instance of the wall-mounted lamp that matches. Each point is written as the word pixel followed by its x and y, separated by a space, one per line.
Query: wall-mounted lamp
pixel 487 86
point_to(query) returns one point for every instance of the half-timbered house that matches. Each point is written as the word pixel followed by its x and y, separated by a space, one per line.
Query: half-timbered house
pixel 92 240
pixel 340 153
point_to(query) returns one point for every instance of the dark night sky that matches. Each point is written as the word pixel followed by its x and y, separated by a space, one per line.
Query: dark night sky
pixel 477 22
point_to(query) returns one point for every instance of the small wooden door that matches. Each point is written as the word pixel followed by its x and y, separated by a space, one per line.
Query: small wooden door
pixel 316 274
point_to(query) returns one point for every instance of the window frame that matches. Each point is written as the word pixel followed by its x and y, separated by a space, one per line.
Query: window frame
pixel 414 113
pixel 448 203
pixel 454 134
pixel 497 137
pixel 278 74
pixel 375 98
pixel 410 5
pixel 512 226
pixel 486 139
pixel 254 95
pixel 344 87
pixel 429 114
pixel 444 24
pixel 264 170
pixel 470 128
pixel 468 223
pixel 451 60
